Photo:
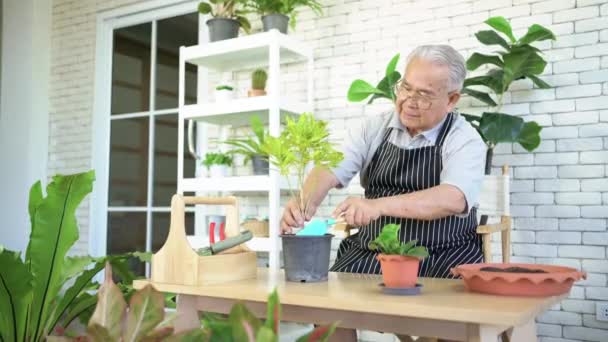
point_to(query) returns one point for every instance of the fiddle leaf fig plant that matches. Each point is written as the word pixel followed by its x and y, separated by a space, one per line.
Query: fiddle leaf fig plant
pixel 388 243
pixel 360 90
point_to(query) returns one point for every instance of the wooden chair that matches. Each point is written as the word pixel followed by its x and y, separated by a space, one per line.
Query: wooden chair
pixel 494 201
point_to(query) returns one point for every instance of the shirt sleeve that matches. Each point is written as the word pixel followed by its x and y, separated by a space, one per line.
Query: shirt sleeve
pixel 354 148
pixel 464 160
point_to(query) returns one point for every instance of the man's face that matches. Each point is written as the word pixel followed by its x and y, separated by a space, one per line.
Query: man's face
pixel 423 98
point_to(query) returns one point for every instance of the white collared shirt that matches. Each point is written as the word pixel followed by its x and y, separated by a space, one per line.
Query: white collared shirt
pixel 463 152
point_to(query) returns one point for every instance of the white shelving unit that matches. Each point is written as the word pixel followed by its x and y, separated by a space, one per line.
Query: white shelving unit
pixel 269 49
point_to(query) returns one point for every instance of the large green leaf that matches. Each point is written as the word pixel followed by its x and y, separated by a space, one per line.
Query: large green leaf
pixel 54 232
pixel 15 295
pixel 477 59
pixel 359 90
pixel 392 65
pixel 529 137
pixel 521 63
pixel 536 33
pixel 244 323
pixel 539 83
pixel 502 25
pixel 146 311
pixel 265 334
pixel 499 127
pixel 273 312
pixel 491 38
pixel 481 96
pixel 493 80
pixel 110 308
pixel 82 304
pixel 204 8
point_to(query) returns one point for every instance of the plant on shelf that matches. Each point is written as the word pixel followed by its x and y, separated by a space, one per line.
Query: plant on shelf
pixel 258 83
pixel 224 93
pixel 251 147
pixel 217 163
pixel 399 261
pixel 517 60
pixel 278 14
pixel 228 17
pixel 48 290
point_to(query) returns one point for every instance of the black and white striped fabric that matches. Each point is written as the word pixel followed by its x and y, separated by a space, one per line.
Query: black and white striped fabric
pixel 451 240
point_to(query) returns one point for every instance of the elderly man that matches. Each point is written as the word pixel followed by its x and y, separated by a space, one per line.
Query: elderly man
pixel 421 167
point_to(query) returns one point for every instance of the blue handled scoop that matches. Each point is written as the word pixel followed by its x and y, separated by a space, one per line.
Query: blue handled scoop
pixel 317 227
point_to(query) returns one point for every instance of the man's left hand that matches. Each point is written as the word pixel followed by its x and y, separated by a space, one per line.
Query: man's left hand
pixel 358 211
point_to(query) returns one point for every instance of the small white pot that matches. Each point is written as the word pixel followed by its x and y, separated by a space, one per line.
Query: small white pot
pixel 224 95
pixel 218 171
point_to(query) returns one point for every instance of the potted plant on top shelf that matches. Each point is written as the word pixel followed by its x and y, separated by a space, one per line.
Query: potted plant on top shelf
pixel 399 261
pixel 519 60
pixel 258 83
pixel 277 14
pixel 251 148
pixel 217 164
pixel 228 17
pixel 303 142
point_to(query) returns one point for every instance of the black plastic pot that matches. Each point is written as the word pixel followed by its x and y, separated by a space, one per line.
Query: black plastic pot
pixel 275 21
pixel 306 258
pixel 260 165
pixel 223 28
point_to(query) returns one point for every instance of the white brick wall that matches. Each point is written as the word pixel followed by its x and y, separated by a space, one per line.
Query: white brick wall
pixel 560 193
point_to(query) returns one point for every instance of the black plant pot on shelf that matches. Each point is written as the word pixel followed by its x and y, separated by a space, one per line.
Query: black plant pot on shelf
pixel 260 165
pixel 222 28
pixel 275 21
pixel 306 258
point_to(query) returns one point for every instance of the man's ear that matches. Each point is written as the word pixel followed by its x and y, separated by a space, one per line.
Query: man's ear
pixel 453 100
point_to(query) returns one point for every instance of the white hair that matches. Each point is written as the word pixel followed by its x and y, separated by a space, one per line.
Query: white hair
pixel 443 55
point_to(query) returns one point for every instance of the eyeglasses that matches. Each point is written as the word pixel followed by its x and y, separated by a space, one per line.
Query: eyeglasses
pixel 403 91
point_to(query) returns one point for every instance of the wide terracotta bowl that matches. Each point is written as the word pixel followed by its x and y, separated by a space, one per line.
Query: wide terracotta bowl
pixel 556 281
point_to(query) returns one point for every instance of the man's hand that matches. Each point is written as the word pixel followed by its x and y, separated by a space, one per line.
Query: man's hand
pixel 358 211
pixel 293 218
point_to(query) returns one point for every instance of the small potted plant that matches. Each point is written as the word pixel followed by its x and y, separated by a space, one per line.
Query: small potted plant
pixel 228 17
pixel 399 261
pixel 303 142
pixel 251 148
pixel 258 83
pixel 217 164
pixel 278 14
pixel 224 93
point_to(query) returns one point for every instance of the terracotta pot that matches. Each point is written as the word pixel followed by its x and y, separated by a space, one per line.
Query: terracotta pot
pixel 399 271
pixel 256 92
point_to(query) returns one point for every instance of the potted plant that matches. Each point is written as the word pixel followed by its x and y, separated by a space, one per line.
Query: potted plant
pixel 251 148
pixel 399 261
pixel 258 83
pixel 217 164
pixel 303 142
pixel 224 93
pixel 228 17
pixel 277 14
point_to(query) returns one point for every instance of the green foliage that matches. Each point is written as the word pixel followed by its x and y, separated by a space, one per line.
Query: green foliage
pixel 388 243
pixel 360 90
pixel 258 79
pixel 516 60
pixel 285 7
pixel 228 9
pixel 224 87
pixel 251 146
pixel 34 296
pixel 218 158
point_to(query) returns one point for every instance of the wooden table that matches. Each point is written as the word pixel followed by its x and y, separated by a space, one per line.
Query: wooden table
pixel 444 309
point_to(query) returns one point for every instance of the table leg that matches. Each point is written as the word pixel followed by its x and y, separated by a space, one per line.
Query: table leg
pixel 187 313
pixel 526 332
pixel 483 333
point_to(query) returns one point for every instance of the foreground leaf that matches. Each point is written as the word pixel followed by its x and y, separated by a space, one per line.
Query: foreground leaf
pixel 15 295
pixel 359 90
pixel 110 309
pixel 146 311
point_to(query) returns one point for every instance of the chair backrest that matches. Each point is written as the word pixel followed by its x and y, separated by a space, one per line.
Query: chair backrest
pixel 494 198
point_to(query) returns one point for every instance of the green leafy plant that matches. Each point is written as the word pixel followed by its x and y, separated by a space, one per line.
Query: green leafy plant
pixel 218 158
pixel 359 90
pixel 302 142
pixel 388 243
pixel 224 87
pixel 227 9
pixel 250 147
pixel 517 59
pixel 48 290
pixel 286 7
pixel 258 79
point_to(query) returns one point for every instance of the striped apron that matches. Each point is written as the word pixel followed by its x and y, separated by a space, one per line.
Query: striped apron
pixel 450 240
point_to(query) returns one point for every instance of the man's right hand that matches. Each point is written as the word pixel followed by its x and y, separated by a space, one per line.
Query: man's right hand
pixel 293 218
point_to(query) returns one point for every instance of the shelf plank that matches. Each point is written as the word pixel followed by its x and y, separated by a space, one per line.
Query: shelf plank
pixel 246 52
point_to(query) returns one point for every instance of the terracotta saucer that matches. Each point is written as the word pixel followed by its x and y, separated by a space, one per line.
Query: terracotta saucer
pixel 557 279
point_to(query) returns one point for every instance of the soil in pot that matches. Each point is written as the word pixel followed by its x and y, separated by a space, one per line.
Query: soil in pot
pixel 511 270
pixel 306 258
pixel 399 271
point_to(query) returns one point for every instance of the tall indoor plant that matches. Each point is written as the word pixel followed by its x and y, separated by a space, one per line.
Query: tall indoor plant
pixel 303 143
pixel 278 14
pixel 228 17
